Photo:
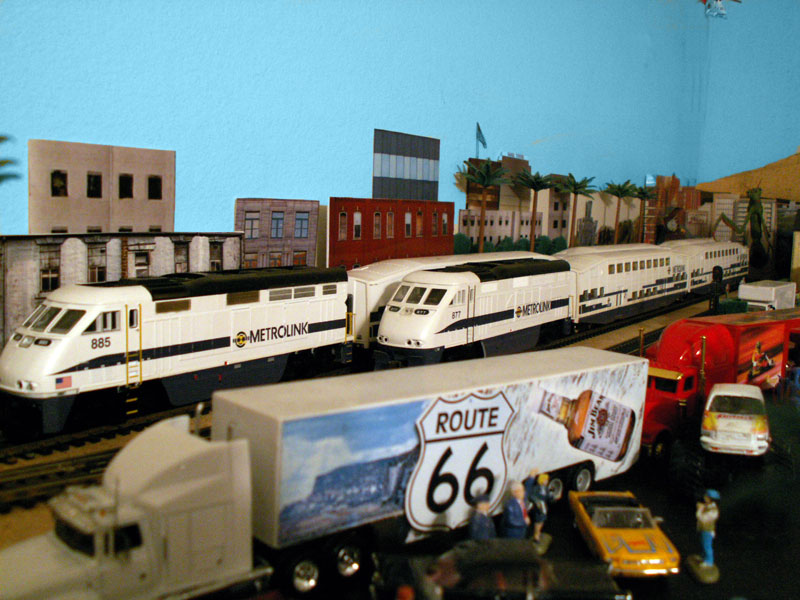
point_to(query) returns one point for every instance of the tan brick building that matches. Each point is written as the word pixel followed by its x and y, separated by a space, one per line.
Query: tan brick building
pixel 277 232
pixel 91 188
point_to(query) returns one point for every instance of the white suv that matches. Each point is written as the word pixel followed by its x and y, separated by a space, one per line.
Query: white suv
pixel 735 420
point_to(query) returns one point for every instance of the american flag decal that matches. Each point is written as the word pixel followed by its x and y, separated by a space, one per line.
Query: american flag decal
pixel 63 382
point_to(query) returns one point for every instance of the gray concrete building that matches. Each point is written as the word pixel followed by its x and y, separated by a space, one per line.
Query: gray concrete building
pixel 499 224
pixel 277 232
pixel 91 188
pixel 33 265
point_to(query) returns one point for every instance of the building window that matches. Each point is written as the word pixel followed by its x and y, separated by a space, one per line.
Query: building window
pixel 555 224
pixel 390 224
pixel 125 185
pixel 555 205
pixel 408 224
pixel 250 260
pixel 376 226
pixel 126 229
pixel 444 223
pixel 435 224
pixel 141 262
pixel 181 257
pixel 251 222
pixel 97 263
pixel 58 183
pixel 154 187
pixel 357 225
pixel 299 257
pixel 301 225
pixel 563 223
pixel 94 229
pixel 49 266
pixel 342 225
pixel 215 256
pixel 154 229
pixel 94 185
pixel 275 259
pixel 276 230
pixel 58 230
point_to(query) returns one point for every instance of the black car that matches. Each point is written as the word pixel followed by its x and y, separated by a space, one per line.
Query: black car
pixel 501 569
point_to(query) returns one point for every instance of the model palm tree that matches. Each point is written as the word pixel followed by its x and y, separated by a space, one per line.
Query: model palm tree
pixel 536 182
pixel 484 175
pixel 6 162
pixel 619 191
pixel 576 188
pixel 643 194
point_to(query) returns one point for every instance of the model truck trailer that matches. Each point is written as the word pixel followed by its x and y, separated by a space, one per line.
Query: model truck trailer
pixel 313 474
pixel 342 465
pixel 694 354
pixel 768 295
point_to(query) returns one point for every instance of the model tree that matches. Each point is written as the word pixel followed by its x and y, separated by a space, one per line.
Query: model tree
pixel 484 175
pixel 6 162
pixel 536 182
pixel 619 191
pixel 570 185
pixel 643 194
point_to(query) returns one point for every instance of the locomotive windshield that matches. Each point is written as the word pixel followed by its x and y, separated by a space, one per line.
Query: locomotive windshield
pixel 67 321
pixel 400 294
pixel 435 296
pixel 45 318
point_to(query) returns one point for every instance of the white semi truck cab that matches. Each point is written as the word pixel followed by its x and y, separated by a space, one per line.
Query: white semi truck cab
pixel 170 519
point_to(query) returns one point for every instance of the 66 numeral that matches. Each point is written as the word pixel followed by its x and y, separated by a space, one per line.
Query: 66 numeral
pixel 448 479
pixel 103 342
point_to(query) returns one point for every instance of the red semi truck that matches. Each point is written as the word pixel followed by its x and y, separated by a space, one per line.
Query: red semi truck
pixel 694 354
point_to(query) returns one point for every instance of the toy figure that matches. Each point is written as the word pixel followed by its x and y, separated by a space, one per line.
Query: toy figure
pixel 707 515
pixel 759 361
pixel 515 514
pixel 481 526
pixel 538 495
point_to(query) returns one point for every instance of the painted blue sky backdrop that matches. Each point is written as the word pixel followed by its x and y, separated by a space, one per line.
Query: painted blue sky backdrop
pixel 280 98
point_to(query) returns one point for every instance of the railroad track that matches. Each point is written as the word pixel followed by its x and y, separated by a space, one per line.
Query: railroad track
pixel 27 485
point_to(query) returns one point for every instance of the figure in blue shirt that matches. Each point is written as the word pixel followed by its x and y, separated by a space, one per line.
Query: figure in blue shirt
pixel 481 526
pixel 538 495
pixel 515 514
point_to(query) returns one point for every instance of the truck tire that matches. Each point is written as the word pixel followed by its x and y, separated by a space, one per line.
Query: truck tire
pixel 686 468
pixel 660 451
pixel 582 477
pixel 300 575
pixel 556 486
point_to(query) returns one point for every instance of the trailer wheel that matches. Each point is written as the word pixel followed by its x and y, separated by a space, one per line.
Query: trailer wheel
pixel 555 487
pixel 582 477
pixel 301 575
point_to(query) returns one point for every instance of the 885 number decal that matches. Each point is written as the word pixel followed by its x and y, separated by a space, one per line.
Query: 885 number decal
pixel 101 342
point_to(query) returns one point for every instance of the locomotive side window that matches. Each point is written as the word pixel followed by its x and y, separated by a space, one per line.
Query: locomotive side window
pixel 45 318
pixel 458 298
pixel 400 294
pixel 416 295
pixel 304 292
pixel 67 321
pixel 435 297
pixel 133 318
pixel 34 315
pixel 328 288
pixel 284 294
pixel 107 321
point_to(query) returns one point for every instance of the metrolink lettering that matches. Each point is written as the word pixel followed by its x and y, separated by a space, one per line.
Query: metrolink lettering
pixel 466 420
pixel 275 333
pixel 533 308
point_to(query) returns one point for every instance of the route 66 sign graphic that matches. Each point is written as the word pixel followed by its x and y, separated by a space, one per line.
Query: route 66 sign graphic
pixel 461 457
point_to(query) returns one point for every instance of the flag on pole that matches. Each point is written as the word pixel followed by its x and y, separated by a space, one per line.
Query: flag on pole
pixel 479 134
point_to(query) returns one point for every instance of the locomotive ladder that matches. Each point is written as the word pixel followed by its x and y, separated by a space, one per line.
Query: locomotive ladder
pixel 133 363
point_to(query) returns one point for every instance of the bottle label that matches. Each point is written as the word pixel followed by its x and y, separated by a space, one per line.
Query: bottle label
pixel 606 428
pixel 554 406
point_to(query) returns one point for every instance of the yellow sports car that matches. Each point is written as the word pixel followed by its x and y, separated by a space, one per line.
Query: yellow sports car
pixel 623 533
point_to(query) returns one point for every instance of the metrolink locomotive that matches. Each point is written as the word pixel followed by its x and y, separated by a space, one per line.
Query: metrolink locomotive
pixel 115 349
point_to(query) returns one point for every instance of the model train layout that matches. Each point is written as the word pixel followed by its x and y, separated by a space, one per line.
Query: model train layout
pixel 111 348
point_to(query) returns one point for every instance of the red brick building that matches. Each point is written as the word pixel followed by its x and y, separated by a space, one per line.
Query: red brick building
pixel 366 230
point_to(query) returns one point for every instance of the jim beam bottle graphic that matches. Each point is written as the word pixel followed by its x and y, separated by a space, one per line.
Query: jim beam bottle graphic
pixel 595 424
